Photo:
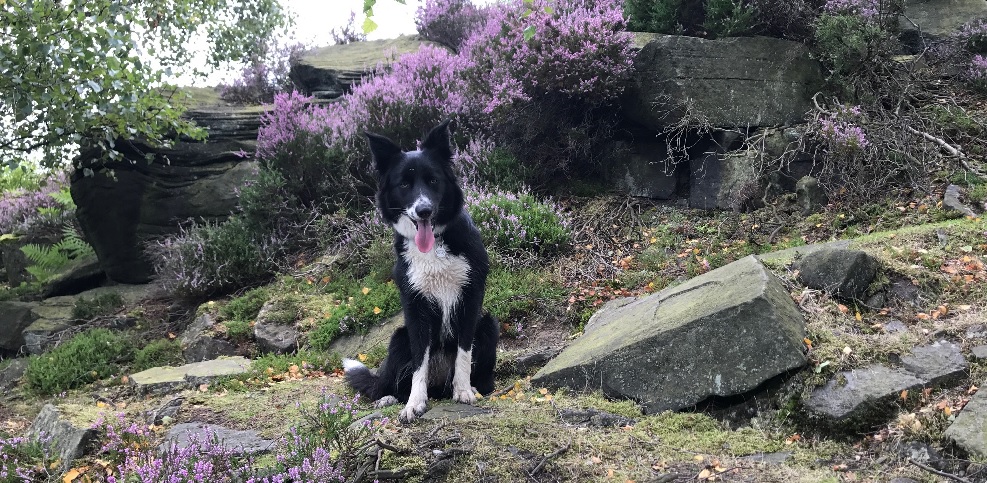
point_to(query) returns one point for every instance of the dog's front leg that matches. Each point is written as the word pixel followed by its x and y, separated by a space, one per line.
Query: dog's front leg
pixel 462 391
pixel 418 399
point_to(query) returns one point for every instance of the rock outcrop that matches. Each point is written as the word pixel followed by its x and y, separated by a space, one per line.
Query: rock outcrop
pixel 329 72
pixel 720 334
pixel 125 204
pixel 969 430
pixel 733 82
pixel 67 441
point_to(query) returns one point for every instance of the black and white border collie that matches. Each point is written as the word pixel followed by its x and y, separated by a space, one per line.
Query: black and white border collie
pixel 446 346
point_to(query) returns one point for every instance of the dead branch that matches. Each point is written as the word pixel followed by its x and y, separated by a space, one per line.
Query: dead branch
pixel 940 473
pixel 555 454
pixel 949 148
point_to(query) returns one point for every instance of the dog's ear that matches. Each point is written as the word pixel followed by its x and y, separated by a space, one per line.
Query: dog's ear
pixel 384 150
pixel 437 141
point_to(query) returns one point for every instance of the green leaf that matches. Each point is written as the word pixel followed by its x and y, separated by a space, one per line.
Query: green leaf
pixel 529 32
pixel 369 26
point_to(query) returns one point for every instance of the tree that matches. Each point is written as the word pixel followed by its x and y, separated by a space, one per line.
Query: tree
pixel 95 72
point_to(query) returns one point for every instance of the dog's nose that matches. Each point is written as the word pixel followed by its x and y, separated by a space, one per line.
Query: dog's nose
pixel 424 211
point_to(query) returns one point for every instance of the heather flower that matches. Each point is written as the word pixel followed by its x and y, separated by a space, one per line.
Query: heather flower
pixel 841 131
pixel 977 73
pixel 35 214
pixel 867 9
pixel 264 76
pixel 974 35
pixel 449 22
pixel 518 222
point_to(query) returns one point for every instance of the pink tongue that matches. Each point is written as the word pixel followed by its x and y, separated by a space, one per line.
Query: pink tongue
pixel 424 238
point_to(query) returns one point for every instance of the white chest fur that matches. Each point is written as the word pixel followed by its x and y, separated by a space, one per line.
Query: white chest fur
pixel 438 276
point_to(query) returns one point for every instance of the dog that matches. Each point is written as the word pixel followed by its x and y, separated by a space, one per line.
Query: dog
pixel 447 346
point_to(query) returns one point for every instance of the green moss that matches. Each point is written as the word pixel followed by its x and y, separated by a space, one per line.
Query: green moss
pixel 246 306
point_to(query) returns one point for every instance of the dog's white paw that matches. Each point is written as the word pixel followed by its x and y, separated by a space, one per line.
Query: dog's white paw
pixel 412 411
pixel 465 396
pixel 385 401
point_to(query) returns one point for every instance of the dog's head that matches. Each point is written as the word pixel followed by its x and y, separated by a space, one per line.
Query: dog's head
pixel 417 190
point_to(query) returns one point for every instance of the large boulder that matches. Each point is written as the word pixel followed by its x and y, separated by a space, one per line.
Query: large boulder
pixel 377 335
pixel 126 203
pixel 330 72
pixel 723 333
pixel 732 82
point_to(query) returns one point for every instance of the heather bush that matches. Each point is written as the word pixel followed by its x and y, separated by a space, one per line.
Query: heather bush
pixel 265 75
pixel 23 460
pixel 974 36
pixel 790 19
pixel 854 39
pixel 976 76
pixel 727 18
pixel 658 16
pixel 449 22
pixel 36 214
pixel 840 132
pixel 86 358
pixel 348 33
pixel 209 258
pixel 519 223
pixel 543 81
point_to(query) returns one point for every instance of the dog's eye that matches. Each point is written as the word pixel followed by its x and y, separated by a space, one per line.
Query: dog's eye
pixel 405 185
pixel 432 181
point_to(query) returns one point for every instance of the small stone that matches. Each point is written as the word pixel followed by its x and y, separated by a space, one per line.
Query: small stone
pixel 976 332
pixel 937 363
pixel 767 458
pixel 276 338
pixel 895 326
pixel 919 452
pixel 979 352
pixel 594 418
pixel 809 195
pixel 953 200
pixel 844 273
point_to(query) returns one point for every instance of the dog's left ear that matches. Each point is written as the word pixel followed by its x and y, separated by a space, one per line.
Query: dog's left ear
pixel 437 141
pixel 384 150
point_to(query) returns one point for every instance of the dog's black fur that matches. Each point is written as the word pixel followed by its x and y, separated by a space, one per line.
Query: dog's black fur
pixel 421 187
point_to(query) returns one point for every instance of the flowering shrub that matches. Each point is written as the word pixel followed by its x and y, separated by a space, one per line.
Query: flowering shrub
pixel 448 22
pixel 325 447
pixel 23 460
pixel 541 78
pixel 36 214
pixel 854 37
pixel 264 76
pixel 977 74
pixel 518 222
pixel 347 33
pixel 974 35
pixel 208 258
pixel 840 132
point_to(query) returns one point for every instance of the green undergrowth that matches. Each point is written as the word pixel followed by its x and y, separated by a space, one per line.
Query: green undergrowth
pixel 515 297
pixel 86 358
pixel 96 306
pixel 158 353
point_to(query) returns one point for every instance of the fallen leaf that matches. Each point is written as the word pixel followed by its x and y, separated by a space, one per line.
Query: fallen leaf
pixel 377 310
pixel 843 308
pixel 171 335
pixel 365 290
pixel 203 387
pixel 74 473
pixel 362 357
pixel 904 395
pixel 858 317
pixel 704 474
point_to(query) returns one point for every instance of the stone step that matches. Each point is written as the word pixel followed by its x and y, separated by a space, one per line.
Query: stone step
pixel 160 380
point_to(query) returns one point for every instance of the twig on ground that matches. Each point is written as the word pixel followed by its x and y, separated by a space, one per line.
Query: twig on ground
pixel 541 464
pixel 940 473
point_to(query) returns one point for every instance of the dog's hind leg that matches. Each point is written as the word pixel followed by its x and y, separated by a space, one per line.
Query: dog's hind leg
pixel 485 354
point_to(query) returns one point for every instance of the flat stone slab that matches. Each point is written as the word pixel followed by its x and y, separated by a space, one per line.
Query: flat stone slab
pixel 788 255
pixel 239 442
pixel 969 430
pixel 454 411
pixel 722 333
pixel 165 379
pixel 865 397
pixel 941 18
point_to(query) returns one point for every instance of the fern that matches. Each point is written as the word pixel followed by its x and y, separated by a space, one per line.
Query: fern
pixel 64 198
pixel 47 260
